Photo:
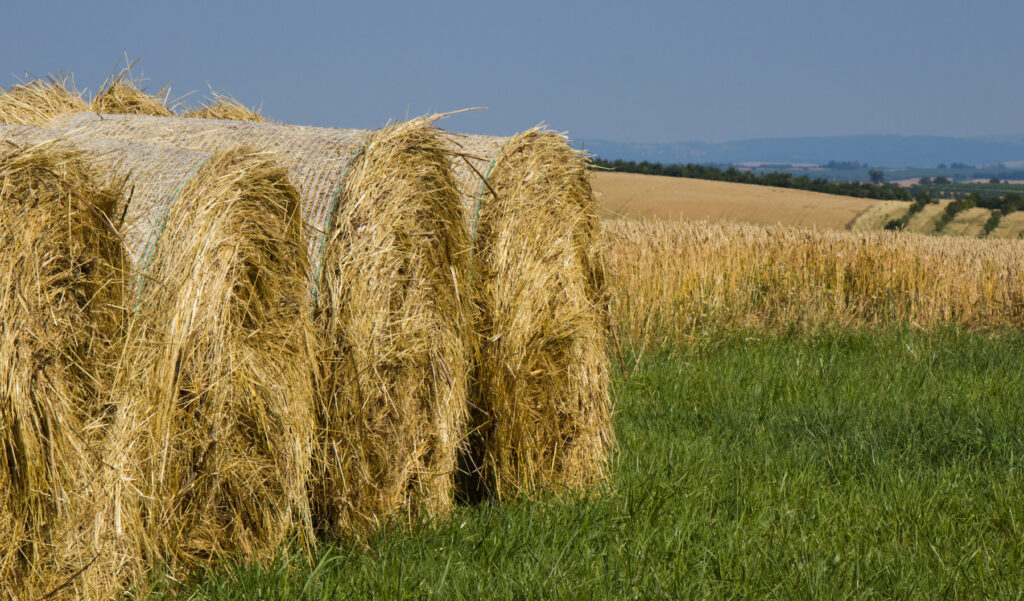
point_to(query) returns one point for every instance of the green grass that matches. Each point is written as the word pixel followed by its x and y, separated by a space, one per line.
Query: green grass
pixel 839 467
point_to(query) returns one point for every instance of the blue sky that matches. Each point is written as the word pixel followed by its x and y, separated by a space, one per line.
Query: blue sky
pixel 656 71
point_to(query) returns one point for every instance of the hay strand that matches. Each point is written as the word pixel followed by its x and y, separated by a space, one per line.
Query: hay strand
pixel 226 107
pixel 394 310
pixel 64 526
pixel 121 95
pixel 40 101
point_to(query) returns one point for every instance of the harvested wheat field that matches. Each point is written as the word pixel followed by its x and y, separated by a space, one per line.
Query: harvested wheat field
pixel 970 222
pixel 636 195
pixel 926 220
pixel 878 215
pixel 62 319
pixel 541 411
pixel 1010 226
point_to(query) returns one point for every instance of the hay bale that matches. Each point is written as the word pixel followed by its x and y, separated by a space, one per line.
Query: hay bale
pixel 387 205
pixel 541 406
pixel 178 192
pixel 39 101
pixel 121 95
pixel 394 310
pixel 222 359
pixel 64 530
pixel 223 106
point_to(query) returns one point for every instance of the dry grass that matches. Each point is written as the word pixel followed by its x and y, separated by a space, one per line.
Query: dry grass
pixel 40 101
pixel 1010 226
pixel 121 95
pixel 926 220
pixel 690 282
pixel 634 195
pixel 64 526
pixel 223 106
pixel 394 309
pixel 541 417
pixel 970 222
pixel 221 367
pixel 879 214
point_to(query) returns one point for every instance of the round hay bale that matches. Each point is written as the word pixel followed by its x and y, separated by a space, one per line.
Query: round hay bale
pixel 223 106
pixel 387 207
pixel 222 358
pixel 39 101
pixel 393 305
pixel 121 95
pixel 542 414
pixel 62 286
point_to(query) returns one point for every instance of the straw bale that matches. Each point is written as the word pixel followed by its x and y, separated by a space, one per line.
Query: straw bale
pixel 395 313
pixel 39 101
pixel 121 95
pixel 65 523
pixel 223 106
pixel 541 411
pixel 391 203
pixel 179 189
pixel 221 366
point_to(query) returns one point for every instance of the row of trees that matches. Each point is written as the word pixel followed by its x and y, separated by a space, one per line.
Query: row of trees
pixel 876 190
pixel 999 205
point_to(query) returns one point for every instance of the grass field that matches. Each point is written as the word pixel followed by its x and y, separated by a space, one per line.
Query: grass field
pixel 835 467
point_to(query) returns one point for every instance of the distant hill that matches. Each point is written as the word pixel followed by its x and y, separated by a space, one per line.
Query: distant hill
pixel 881 151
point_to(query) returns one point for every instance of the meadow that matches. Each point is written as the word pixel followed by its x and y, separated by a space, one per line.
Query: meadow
pixel 883 465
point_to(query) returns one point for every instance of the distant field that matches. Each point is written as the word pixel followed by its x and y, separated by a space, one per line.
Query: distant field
pixel 635 195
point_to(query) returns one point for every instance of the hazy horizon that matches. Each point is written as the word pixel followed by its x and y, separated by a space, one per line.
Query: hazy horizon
pixel 652 72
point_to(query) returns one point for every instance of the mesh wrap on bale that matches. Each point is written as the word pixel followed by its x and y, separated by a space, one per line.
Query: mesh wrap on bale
pixel 394 309
pixel 316 158
pixel 541 412
pixel 66 529
pixel 220 373
pixel 152 177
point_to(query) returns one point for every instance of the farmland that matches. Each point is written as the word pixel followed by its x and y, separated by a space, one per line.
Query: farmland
pixel 801 412
pixel 805 415
pixel 641 196
pixel 827 467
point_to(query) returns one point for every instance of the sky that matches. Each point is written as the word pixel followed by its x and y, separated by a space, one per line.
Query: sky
pixel 650 72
